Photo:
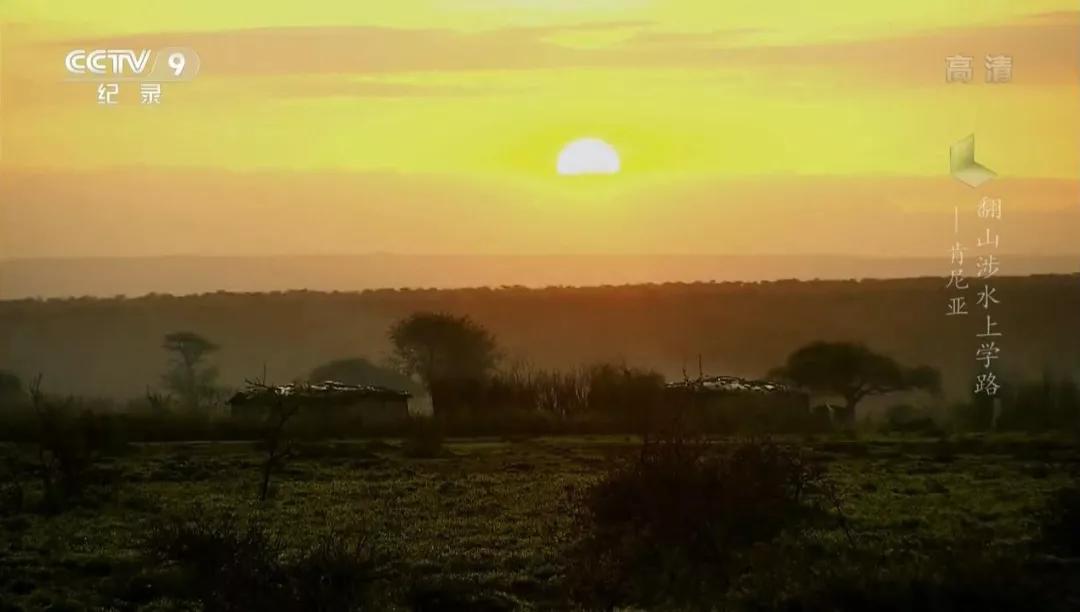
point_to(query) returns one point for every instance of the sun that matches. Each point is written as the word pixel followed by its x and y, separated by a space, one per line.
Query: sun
pixel 587 156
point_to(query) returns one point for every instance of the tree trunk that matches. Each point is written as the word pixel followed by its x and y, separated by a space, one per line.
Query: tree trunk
pixel 264 488
pixel 845 415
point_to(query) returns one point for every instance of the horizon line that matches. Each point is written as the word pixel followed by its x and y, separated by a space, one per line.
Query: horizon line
pixel 506 287
pixel 6 259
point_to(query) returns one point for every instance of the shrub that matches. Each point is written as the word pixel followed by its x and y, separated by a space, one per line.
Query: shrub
pixel 12 393
pixel 970 578
pixel 1061 529
pixel 632 395
pixel 335 573
pixel 12 494
pixel 904 419
pixel 675 523
pixel 223 564
pixel 69 442
pixel 230 565
pixel 434 594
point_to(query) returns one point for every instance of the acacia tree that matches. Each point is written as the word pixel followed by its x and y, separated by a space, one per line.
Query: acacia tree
pixel 188 375
pixel 275 441
pixel 443 350
pixel 853 372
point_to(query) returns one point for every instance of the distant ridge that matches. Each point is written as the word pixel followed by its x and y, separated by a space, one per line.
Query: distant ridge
pixel 183 275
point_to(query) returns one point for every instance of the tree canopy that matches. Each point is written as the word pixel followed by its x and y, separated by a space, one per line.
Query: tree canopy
pixel 853 372
pixel 442 347
pixel 188 375
pixel 190 347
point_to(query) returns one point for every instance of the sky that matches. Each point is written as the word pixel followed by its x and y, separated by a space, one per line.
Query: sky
pixel 434 127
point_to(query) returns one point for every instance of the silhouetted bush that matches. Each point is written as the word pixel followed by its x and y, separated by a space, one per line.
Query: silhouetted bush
pixel 429 594
pixel 228 565
pixel 905 419
pixel 1061 530
pixel 631 395
pixel 335 573
pixel 69 441
pixel 550 401
pixel 225 565
pixel 12 493
pixel 12 393
pixel 673 524
pixel 969 578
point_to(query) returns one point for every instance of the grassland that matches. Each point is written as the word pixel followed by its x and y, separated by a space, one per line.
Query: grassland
pixel 488 525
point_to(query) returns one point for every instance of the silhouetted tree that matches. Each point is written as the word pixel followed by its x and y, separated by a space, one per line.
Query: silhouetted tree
pixel 188 375
pixel 853 372
pixel 445 352
pixel 275 442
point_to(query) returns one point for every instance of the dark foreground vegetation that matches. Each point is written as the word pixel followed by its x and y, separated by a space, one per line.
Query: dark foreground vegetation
pixel 571 522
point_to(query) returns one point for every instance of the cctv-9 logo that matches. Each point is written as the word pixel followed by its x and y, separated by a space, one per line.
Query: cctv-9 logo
pixel 169 64
pixel 176 63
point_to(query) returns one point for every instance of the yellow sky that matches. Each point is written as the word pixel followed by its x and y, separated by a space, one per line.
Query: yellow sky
pixel 433 126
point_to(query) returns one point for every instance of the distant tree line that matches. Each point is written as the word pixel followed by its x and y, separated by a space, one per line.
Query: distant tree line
pixel 473 387
pixel 104 347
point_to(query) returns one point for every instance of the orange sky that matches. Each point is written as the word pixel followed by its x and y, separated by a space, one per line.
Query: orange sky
pixel 431 126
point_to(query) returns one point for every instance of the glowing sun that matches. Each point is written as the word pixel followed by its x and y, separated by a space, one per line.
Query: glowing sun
pixel 587 156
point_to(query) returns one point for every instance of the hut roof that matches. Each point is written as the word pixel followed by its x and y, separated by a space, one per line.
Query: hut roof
pixel 731 384
pixel 326 392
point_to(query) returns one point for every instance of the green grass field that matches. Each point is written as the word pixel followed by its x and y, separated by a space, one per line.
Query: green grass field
pixel 492 519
